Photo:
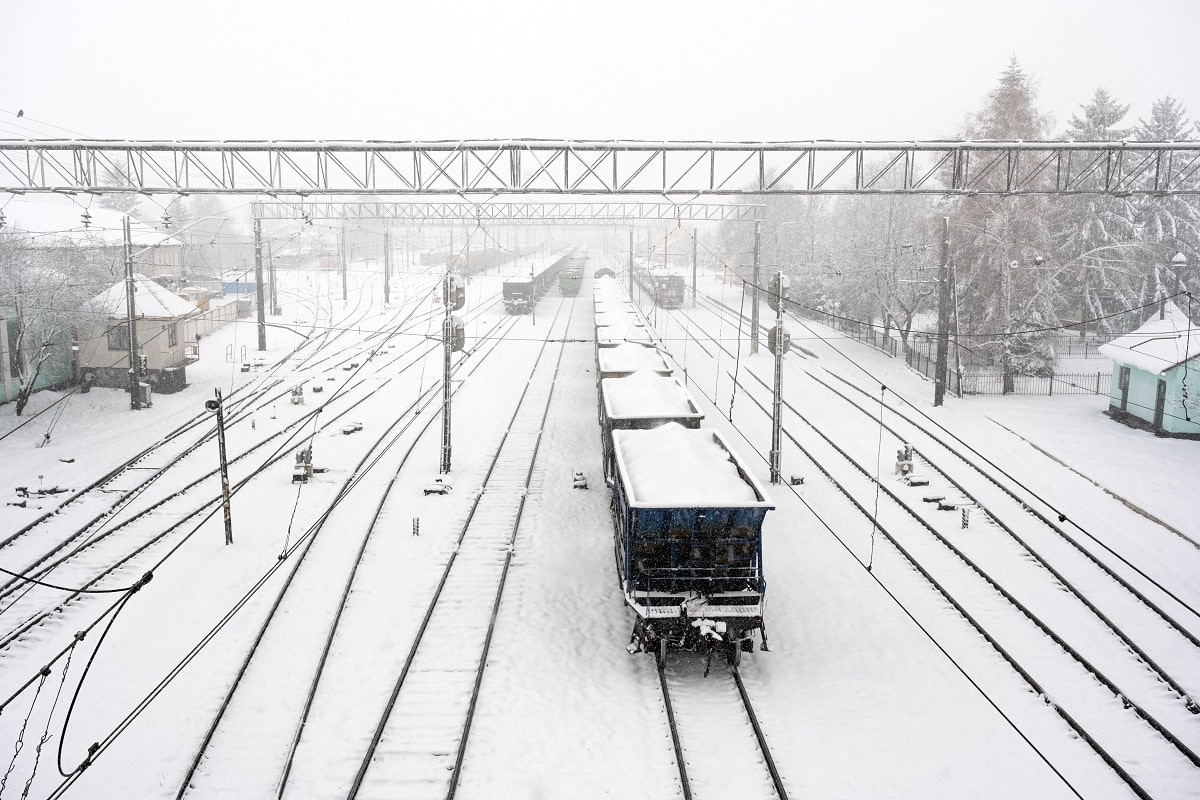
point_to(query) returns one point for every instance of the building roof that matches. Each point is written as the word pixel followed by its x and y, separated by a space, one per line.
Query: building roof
pixel 1159 344
pixel 149 300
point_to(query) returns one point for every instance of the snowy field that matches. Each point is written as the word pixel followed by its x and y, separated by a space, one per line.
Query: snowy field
pixel 873 687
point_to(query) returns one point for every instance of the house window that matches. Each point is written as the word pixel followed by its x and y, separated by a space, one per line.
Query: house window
pixel 172 335
pixel 118 337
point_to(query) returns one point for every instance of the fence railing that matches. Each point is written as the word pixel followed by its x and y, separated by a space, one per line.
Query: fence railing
pixel 920 355
pixel 1059 383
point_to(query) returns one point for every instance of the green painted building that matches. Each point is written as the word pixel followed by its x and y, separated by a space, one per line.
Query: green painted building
pixel 1156 371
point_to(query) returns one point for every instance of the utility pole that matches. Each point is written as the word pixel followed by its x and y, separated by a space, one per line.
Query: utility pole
pixel 135 365
pixel 693 267
pixel 218 406
pixel 631 297
pixel 777 294
pixel 939 377
pixel 275 309
pixel 387 266
pixel 754 292
pixel 345 266
pixel 258 285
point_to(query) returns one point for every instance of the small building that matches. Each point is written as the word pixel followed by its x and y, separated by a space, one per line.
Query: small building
pixel 1157 368
pixel 163 330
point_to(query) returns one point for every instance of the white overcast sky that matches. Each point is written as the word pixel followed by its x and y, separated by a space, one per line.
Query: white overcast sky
pixel 657 69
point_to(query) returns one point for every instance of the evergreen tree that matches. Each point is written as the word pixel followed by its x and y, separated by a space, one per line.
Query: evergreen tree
pixel 1100 120
pixel 1006 297
pixel 1168 122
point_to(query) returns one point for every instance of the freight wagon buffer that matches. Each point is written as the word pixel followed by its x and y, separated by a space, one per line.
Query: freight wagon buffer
pixel 688 521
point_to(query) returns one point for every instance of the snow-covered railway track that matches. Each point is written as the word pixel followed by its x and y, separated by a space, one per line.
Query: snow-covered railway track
pixel 720 749
pixel 1126 735
pixel 294 557
pixel 420 742
pixel 97 557
pixel 1033 541
pixel 989 492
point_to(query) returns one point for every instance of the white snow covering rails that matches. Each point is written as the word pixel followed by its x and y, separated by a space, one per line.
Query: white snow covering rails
pixel 688 521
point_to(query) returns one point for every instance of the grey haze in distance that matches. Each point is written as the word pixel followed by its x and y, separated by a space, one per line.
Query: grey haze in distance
pixel 770 70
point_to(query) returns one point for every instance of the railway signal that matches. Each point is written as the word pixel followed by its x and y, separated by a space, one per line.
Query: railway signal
pixel 454 292
pixel 778 340
pixel 454 297
pixel 777 292
pixel 216 406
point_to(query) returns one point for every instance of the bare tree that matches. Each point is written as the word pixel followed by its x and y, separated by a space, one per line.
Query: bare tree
pixel 45 287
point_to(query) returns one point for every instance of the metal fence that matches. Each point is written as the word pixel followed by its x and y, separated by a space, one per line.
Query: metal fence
pixel 1059 383
pixel 920 354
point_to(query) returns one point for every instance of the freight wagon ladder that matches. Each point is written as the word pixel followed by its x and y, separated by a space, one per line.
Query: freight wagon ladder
pixel 417 752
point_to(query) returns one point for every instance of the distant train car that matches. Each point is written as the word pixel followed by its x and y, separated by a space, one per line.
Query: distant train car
pixel 569 281
pixel 519 295
pixel 688 541
pixel 604 272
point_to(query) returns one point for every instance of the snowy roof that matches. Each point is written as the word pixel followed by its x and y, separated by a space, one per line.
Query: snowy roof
pixel 630 357
pixel 149 300
pixel 1159 344
pixel 614 334
pixel 618 318
pixel 63 217
pixel 646 395
pixel 672 465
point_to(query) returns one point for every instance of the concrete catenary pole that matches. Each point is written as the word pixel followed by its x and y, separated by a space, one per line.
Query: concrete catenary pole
pixel 258 286
pixel 135 366
pixel 777 399
pixel 754 292
pixel 387 267
pixel 939 378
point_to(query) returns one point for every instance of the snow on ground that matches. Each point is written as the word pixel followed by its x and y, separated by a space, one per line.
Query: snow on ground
pixel 856 699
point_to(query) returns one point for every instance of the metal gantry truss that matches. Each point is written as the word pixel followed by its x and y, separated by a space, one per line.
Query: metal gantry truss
pixel 533 167
pixel 565 213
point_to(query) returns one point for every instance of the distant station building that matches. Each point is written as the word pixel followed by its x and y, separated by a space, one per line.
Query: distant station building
pixel 1157 368
pixel 163 321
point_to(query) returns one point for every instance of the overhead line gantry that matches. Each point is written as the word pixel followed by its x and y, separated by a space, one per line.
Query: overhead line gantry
pixel 535 167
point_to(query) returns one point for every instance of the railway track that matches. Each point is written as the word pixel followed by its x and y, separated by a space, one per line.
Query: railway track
pixel 979 597
pixel 419 744
pixel 315 753
pixel 716 735
pixel 285 570
pixel 105 544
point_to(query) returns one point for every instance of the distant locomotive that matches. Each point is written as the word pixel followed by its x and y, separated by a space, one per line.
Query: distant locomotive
pixel 666 288
pixel 687 514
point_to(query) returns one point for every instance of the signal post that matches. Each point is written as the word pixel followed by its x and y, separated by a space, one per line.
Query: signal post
pixel 454 297
pixel 778 340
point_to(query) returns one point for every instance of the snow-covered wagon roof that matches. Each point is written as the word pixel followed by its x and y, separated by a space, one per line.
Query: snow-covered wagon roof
pixel 631 357
pixel 1159 344
pixel 149 300
pixel 676 466
pixel 647 395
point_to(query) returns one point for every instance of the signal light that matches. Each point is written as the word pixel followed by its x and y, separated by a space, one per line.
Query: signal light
pixel 454 292
pixel 777 289
pixel 457 333
pixel 773 339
